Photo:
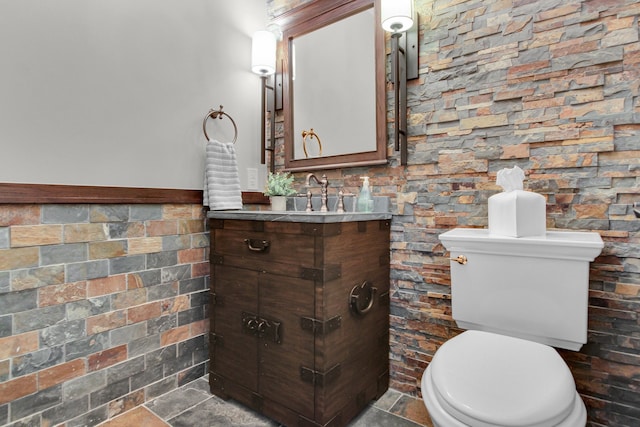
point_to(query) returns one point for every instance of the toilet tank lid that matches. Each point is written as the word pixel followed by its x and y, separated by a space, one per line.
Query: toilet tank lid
pixel 504 381
pixel 571 245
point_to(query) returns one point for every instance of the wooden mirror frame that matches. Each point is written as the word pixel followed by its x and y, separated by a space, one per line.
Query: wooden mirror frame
pixel 302 20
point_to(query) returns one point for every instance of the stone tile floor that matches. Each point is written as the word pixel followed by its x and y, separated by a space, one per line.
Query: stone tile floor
pixel 193 406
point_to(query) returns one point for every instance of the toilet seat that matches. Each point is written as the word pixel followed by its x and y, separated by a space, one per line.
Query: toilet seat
pixel 485 379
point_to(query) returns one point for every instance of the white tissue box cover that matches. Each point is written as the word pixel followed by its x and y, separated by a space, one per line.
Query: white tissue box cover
pixel 517 213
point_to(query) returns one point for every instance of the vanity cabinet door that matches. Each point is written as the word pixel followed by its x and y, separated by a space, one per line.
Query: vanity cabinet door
pixel 234 350
pixel 288 300
pixel 259 343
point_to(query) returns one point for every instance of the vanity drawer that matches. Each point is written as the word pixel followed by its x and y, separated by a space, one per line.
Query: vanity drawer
pixel 257 245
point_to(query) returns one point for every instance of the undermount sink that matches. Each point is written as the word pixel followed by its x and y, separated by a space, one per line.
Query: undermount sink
pixel 296 211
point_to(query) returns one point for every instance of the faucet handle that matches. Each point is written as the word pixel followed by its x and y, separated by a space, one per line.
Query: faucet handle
pixel 340 208
pixel 309 207
pixel 341 194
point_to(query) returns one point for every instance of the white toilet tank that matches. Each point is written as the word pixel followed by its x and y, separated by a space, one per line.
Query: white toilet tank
pixel 535 288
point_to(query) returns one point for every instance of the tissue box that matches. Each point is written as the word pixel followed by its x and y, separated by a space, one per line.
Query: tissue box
pixel 517 214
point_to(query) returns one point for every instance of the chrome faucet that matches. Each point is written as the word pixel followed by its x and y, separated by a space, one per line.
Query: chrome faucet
pixel 324 184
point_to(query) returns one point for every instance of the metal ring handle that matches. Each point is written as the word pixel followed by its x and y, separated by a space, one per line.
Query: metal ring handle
pixel 252 324
pixel 217 114
pixel 311 134
pixel 262 326
pixel 358 293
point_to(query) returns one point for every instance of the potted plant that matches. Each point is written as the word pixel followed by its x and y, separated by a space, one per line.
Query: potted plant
pixel 279 186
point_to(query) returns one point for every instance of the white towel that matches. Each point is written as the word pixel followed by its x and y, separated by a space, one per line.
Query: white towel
pixel 221 179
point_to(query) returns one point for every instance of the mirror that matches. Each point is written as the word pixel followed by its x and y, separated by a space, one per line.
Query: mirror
pixel 333 85
pixel 325 69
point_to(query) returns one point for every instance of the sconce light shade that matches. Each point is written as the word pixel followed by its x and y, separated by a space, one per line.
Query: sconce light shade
pixel 263 53
pixel 396 15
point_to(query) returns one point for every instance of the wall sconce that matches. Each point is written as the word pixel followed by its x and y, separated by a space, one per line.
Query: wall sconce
pixel 263 63
pixel 399 18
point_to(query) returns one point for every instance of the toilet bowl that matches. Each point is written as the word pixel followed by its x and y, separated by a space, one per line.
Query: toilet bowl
pixel 517 298
pixel 485 379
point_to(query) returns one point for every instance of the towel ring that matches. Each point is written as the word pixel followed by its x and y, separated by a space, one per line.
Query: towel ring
pixel 311 134
pixel 217 114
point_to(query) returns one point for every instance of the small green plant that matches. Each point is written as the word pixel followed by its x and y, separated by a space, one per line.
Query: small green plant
pixel 279 184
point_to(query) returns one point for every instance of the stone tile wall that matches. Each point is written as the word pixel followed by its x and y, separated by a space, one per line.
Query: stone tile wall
pixel 102 307
pixel 553 87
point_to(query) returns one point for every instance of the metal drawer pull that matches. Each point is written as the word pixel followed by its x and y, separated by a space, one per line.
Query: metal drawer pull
pixel 256 245
pixel 460 259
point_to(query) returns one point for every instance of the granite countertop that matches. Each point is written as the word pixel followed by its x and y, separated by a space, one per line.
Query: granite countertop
pixel 296 212
pixel 291 216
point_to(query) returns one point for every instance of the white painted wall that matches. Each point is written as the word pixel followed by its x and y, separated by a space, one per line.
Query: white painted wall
pixel 113 92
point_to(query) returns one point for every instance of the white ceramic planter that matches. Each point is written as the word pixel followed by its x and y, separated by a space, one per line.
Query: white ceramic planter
pixel 278 203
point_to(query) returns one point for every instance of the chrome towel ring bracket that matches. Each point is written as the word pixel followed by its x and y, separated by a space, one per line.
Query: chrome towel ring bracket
pixel 217 114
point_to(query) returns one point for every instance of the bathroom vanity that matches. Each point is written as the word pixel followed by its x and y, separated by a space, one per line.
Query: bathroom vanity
pixel 300 313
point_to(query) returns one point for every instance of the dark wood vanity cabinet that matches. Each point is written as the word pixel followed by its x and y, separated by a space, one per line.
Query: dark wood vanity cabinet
pixel 300 317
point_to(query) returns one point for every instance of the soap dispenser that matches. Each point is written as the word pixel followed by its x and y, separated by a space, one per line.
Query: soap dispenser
pixel 365 201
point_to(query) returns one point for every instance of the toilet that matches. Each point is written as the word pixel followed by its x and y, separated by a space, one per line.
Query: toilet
pixel 517 298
